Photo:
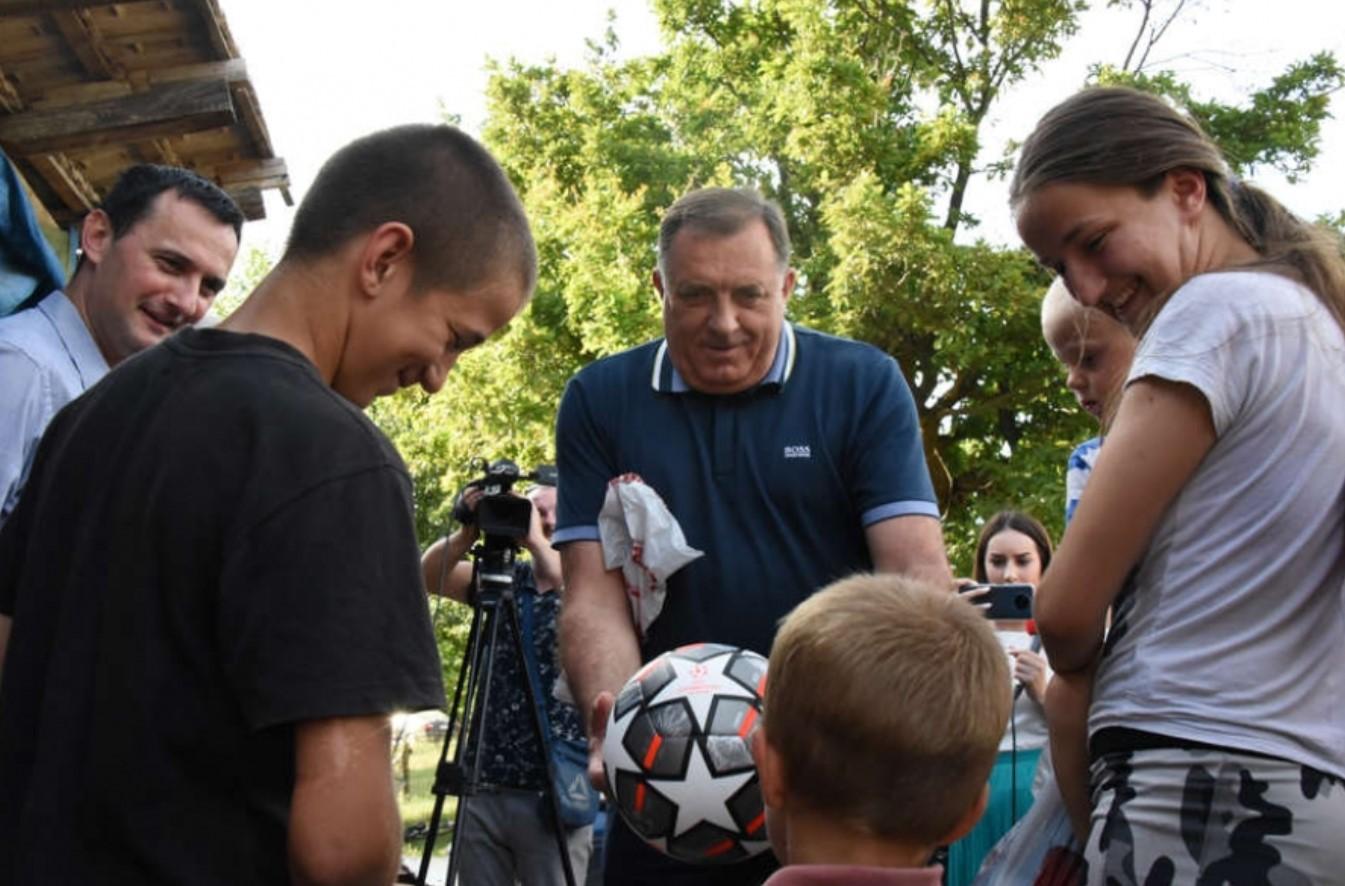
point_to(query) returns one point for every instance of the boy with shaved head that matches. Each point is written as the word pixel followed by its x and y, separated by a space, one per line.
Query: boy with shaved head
pixel 214 577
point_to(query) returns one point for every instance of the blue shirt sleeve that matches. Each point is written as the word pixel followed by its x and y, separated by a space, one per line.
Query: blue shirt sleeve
pixel 585 463
pixel 889 474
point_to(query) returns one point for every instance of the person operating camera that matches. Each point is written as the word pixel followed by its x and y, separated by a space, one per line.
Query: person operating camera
pixel 507 834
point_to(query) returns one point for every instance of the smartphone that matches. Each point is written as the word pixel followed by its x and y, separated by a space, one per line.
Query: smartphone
pixel 1008 602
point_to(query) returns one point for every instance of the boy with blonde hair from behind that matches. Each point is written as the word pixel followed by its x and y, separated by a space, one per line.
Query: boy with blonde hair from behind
pixel 885 702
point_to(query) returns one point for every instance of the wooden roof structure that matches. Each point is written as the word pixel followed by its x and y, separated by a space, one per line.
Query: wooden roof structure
pixel 88 88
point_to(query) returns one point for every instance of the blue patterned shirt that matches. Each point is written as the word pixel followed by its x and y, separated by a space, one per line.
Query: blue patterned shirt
pixel 1079 468
pixel 511 757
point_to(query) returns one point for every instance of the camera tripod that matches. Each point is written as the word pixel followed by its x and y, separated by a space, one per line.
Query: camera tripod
pixel 494 603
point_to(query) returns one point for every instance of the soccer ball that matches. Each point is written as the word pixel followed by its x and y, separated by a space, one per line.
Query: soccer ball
pixel 678 758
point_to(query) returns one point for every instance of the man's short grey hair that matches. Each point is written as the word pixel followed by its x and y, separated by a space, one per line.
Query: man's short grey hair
pixel 723 212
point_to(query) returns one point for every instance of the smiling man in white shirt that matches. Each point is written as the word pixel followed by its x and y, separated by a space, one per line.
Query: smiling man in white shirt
pixel 152 259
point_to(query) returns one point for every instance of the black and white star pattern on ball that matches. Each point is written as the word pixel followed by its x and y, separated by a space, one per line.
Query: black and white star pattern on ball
pixel 678 754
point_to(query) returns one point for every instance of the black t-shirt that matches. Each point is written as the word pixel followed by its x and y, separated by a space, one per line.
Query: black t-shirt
pixel 213 545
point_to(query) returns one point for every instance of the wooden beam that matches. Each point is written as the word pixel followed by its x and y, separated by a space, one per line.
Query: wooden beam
pixel 68 182
pixel 10 100
pixel 232 71
pixel 170 109
pixel 38 7
pixel 84 41
pixel 216 28
pixel 80 94
pixel 250 201
pixel 245 101
pixel 158 150
pixel 44 195
pixel 250 171
pixel 261 173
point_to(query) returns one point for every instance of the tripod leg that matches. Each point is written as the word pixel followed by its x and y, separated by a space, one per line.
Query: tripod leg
pixel 539 732
pixel 474 738
pixel 452 778
pixel 444 781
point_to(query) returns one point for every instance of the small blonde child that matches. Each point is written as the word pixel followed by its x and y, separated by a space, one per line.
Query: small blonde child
pixel 1094 348
pixel 1096 351
pixel 885 702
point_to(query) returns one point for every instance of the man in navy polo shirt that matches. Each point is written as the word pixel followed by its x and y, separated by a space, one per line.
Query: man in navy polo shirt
pixel 789 457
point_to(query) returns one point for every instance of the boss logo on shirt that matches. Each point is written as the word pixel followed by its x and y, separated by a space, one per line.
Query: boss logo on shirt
pixel 798 452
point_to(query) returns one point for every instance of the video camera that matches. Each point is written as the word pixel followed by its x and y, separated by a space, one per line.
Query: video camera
pixel 500 513
pixel 503 519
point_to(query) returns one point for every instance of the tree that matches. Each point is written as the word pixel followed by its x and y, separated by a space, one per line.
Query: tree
pixel 1279 127
pixel 248 270
pixel 865 120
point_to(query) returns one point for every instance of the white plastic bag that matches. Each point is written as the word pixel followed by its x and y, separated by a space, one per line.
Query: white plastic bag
pixel 641 537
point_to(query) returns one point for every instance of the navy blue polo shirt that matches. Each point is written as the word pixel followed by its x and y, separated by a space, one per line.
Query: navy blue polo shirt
pixel 775 484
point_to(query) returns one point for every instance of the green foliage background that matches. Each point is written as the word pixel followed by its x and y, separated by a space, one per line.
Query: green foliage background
pixel 865 119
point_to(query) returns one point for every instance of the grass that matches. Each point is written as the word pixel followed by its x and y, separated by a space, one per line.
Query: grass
pixel 417 801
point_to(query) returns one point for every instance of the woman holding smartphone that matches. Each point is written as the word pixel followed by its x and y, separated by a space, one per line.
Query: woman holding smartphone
pixel 1013 549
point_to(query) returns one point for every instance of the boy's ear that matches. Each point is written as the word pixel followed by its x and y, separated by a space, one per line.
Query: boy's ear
pixel 969 818
pixel 383 254
pixel 770 769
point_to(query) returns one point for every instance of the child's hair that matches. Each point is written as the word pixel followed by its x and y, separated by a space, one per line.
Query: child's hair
pixel 886 699
pixel 1059 307
pixel 1066 325
pixel 1120 136
pixel 1016 521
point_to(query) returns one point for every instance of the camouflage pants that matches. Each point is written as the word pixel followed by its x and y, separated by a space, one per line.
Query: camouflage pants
pixel 1178 816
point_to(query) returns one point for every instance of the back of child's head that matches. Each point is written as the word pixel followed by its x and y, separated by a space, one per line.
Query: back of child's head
pixel 1064 321
pixel 885 701
pixel 1093 346
pixel 1061 316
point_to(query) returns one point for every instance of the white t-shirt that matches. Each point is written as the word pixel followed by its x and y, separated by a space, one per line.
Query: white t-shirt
pixel 1028 731
pixel 1232 629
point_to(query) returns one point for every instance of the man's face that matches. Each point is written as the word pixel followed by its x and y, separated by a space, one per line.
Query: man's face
pixel 544 501
pixel 407 337
pixel 155 278
pixel 723 306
